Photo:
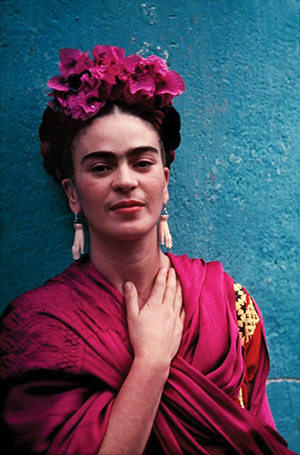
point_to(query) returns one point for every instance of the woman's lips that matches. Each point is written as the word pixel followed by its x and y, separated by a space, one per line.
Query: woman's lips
pixel 127 207
pixel 132 209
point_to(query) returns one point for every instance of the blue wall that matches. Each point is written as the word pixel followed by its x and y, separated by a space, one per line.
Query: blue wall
pixel 235 182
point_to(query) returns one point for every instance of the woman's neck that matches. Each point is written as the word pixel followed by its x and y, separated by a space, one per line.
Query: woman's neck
pixel 137 262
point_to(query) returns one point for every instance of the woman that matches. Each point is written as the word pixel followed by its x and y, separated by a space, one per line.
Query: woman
pixel 129 351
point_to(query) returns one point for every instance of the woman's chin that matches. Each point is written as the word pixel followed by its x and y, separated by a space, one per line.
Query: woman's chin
pixel 129 235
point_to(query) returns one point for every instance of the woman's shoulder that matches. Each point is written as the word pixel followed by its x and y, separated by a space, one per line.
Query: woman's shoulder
pixel 196 266
pixel 199 277
pixel 215 278
pixel 38 327
pixel 54 293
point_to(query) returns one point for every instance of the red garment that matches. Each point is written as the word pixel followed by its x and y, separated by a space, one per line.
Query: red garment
pixel 66 352
pixel 250 331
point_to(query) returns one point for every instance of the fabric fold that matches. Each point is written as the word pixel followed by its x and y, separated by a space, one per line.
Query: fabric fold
pixel 65 353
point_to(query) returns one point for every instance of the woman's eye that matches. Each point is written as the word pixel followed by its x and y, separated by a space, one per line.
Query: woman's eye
pixel 143 164
pixel 100 168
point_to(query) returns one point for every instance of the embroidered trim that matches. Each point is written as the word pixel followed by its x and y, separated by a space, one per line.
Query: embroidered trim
pixel 241 398
pixel 247 320
pixel 246 313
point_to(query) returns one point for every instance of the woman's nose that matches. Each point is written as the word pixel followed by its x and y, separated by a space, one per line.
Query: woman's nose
pixel 124 179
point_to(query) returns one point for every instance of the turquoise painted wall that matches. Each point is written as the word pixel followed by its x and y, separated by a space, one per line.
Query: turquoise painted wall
pixel 235 186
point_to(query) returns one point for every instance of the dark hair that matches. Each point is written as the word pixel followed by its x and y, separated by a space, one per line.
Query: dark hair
pixel 58 131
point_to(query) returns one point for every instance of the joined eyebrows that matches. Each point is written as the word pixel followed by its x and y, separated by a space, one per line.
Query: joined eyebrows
pixel 131 153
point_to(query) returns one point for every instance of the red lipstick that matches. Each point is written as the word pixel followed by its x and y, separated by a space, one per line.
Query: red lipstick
pixel 127 207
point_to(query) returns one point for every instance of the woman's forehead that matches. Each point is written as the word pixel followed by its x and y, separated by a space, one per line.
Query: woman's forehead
pixel 118 131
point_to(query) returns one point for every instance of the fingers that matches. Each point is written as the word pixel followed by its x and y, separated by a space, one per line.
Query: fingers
pixel 167 289
pixel 182 314
pixel 170 290
pixel 131 299
pixel 178 306
pixel 158 290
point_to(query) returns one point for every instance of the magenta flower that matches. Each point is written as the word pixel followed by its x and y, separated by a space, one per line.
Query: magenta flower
pixel 142 83
pixel 58 83
pixel 85 85
pixel 127 66
pixel 73 61
pixel 106 55
pixel 61 98
pixel 101 74
pixel 172 85
pixel 157 67
pixel 84 105
pixel 90 83
pixel 106 59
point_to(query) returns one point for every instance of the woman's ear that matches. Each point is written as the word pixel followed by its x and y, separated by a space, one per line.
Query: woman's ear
pixel 70 190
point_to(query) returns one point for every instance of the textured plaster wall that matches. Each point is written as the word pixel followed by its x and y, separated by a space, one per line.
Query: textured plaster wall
pixel 235 182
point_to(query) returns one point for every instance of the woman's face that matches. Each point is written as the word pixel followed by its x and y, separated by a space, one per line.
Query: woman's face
pixel 119 181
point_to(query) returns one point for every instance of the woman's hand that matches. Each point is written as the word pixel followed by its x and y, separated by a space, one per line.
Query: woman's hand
pixel 155 331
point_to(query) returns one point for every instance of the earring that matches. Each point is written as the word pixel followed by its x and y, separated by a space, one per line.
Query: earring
pixel 165 237
pixel 78 245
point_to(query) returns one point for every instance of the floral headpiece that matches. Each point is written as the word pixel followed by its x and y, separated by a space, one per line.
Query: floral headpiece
pixel 86 85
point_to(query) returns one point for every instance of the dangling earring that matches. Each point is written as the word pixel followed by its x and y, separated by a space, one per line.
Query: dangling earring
pixel 165 237
pixel 78 245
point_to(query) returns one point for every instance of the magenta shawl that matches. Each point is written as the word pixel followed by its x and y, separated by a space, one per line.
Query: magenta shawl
pixel 65 353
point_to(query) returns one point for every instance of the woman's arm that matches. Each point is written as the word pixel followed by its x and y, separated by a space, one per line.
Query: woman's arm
pixel 155 333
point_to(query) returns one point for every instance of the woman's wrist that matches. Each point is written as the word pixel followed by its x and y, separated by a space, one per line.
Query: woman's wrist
pixel 152 365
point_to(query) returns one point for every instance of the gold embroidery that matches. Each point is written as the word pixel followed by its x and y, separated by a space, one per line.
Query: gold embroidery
pixel 241 399
pixel 247 317
pixel 247 320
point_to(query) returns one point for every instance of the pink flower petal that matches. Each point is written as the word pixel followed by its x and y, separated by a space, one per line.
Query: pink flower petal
pixel 73 61
pixel 103 54
pixel 58 83
pixel 142 83
pixel 172 84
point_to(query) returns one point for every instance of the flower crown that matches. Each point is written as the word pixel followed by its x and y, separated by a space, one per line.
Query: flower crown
pixel 86 85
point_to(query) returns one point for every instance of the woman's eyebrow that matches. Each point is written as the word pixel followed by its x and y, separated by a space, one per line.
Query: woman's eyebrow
pixel 115 156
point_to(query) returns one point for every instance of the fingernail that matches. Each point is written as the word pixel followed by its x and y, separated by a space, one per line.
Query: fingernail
pixel 127 286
